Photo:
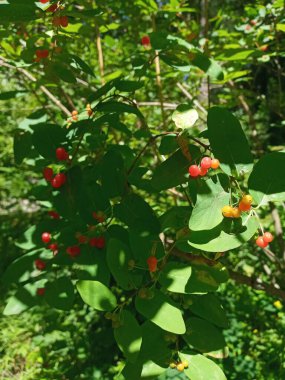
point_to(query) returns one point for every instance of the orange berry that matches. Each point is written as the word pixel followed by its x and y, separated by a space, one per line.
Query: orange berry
pixel 74 113
pixel 235 212
pixel 215 163
pixel 244 206
pixel 247 199
pixel 227 211
pixel 185 363
pixel 268 237
pixel 180 367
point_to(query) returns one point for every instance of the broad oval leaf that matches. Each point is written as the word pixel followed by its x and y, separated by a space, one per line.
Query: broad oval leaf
pixel 228 141
pixel 184 117
pixel 201 368
pixel 162 312
pixel 96 295
pixel 175 276
pixel 129 336
pixel 266 184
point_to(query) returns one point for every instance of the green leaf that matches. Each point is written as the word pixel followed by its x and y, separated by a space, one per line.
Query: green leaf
pixel 129 336
pixel 201 368
pixel 11 94
pixel 228 142
pixel 118 107
pixel 207 211
pixel 113 174
pixel 60 293
pixel 168 144
pixel 22 146
pixel 208 65
pixel 82 65
pixel 118 257
pixel 18 12
pixel 96 295
pixel 266 183
pixel 162 312
pixel 63 72
pixel 173 171
pixel 206 279
pixel 208 307
pixel 184 116
pixel 203 336
pixel 127 85
pixel 46 138
pixel 24 299
pixel 137 214
pixel 280 27
pixel 219 239
pixel 175 276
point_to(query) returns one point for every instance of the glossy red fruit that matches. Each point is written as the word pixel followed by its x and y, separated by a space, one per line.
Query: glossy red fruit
pixel 100 242
pixel 194 171
pixel 203 172
pixel 268 237
pixel 46 237
pixel 152 263
pixel 48 174
pixel 73 251
pixel 145 41
pixel 58 181
pixel 64 21
pixel 44 1
pixel 206 163
pixel 260 242
pixel 52 8
pixel 40 264
pixel 244 206
pixel 53 214
pixel 41 291
pixel 61 154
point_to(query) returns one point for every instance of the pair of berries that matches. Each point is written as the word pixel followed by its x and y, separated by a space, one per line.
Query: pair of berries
pixel 73 251
pixel 152 263
pixel 61 153
pixel 145 41
pixel 60 21
pixel 40 264
pixel 205 164
pixel 264 240
pixel 180 366
pixel 97 242
pixel 56 181
pixel 74 115
pixel 235 212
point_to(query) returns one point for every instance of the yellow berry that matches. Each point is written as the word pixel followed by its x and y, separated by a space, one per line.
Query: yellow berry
pixel 172 365
pixel 247 199
pixel 185 363
pixel 227 211
pixel 235 212
pixel 180 367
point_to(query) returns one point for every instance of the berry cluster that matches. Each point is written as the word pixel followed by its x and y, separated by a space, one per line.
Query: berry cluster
pixel 205 164
pixel 235 212
pixel 59 179
pixel 264 240
pixel 180 366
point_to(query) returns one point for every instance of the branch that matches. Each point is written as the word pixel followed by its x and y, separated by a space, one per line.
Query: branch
pixel 254 282
pixel 278 229
pixel 42 88
pixel 100 55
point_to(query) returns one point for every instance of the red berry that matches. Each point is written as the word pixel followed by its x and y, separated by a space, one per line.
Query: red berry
pixel 53 247
pixel 53 215
pixel 267 237
pixel 100 217
pixel 41 291
pixel 46 237
pixel 206 163
pixel 44 1
pixel 260 242
pixel 61 154
pixel 48 174
pixel 263 48
pixel 58 180
pixel 194 171
pixel 244 206
pixel 100 242
pixel 203 172
pixel 145 41
pixel 42 53
pixel 40 264
pixel 73 251
pixel 152 263
pixel 82 239
pixel 64 21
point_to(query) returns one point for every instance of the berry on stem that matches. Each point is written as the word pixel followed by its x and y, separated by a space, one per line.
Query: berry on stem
pixel 244 206
pixel 227 211
pixel 267 237
pixel 180 367
pixel 64 21
pixel 40 264
pixel 247 199
pixel 194 171
pixel 58 181
pixel 261 243
pixel 48 174
pixel 203 172
pixel 42 53
pixel 73 251
pixel 236 212
pixel 44 1
pixel 215 164
pixel 61 154
pixel 46 237
pixel 152 263
pixel 145 41
pixel 53 214
pixel 206 163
